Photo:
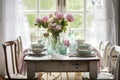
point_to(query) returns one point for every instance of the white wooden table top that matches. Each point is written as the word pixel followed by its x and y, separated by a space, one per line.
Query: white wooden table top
pixel 58 57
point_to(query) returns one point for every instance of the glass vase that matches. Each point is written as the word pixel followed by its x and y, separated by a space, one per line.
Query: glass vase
pixel 53 45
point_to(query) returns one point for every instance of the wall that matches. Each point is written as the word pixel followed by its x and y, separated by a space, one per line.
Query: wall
pixel 118 23
pixel 1 40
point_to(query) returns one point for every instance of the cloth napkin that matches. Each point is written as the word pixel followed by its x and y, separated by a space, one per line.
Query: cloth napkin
pixel 22 65
pixel 100 57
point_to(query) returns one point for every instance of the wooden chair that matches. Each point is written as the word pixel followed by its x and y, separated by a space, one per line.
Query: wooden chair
pixel 114 65
pixel 10 55
pixel 19 44
pixel 1 78
pixel 115 51
pixel 104 49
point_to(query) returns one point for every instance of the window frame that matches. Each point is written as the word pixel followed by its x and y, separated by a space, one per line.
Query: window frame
pixel 61 7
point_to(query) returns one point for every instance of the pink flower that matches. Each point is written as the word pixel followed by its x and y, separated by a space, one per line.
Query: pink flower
pixel 59 15
pixel 54 24
pixel 50 15
pixel 54 19
pixel 58 27
pixel 55 13
pixel 70 17
pixel 38 20
pixel 45 19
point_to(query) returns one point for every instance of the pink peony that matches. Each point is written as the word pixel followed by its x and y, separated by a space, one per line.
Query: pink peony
pixel 70 17
pixel 45 19
pixel 38 20
pixel 55 13
pixel 58 27
pixel 54 24
pixel 59 15
pixel 50 15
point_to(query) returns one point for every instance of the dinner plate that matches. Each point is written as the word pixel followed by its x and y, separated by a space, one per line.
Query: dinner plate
pixel 83 51
pixel 36 55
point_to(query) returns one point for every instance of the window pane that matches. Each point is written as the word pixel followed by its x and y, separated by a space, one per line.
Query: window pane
pixel 35 36
pixel 78 34
pixel 89 37
pixel 78 22
pixel 89 5
pixel 74 4
pixel 32 34
pixel 43 14
pixel 89 20
pixel 47 4
pixel 31 19
pixel 29 4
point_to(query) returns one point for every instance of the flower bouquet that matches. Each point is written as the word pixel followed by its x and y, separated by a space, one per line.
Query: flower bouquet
pixel 54 24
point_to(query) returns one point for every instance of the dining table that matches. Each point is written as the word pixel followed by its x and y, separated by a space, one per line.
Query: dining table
pixel 61 63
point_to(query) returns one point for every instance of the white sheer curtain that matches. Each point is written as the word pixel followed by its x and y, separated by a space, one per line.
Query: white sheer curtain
pixel 103 26
pixel 14 24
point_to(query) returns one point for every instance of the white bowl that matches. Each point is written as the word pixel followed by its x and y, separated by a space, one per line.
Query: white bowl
pixel 37 51
pixel 36 45
pixel 87 51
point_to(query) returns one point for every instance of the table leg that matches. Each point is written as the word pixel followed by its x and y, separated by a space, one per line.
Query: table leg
pixel 93 70
pixel 30 70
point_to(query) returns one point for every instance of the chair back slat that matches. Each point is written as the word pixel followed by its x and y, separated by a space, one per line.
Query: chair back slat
pixel 104 49
pixel 103 46
pixel 6 61
pixel 19 46
pixel 16 60
pixel 115 51
pixel 117 69
pixel 9 48
pixel 19 50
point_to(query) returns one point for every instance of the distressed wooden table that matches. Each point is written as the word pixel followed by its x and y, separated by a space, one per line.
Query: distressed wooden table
pixel 62 64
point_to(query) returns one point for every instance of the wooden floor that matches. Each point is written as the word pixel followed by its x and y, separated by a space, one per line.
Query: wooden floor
pixel 62 76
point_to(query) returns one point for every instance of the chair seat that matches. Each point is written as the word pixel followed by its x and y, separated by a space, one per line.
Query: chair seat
pixel 105 76
pixel 101 76
pixel 17 76
pixel 105 69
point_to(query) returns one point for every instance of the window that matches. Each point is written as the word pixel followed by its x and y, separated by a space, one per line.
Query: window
pixel 81 9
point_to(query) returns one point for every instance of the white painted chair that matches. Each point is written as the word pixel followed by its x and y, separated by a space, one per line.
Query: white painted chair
pixel 12 72
pixel 114 66
pixel 104 50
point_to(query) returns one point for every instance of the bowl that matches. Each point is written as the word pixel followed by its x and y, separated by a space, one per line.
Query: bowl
pixel 83 46
pixel 86 51
pixel 37 51
pixel 36 45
